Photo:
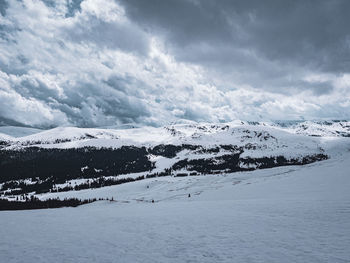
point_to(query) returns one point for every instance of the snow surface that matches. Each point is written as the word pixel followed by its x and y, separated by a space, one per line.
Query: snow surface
pixel 265 140
pixel 323 128
pixel 284 214
pixel 5 137
pixel 187 131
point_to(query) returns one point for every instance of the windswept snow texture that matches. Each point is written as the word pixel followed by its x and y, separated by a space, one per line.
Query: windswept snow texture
pixel 284 214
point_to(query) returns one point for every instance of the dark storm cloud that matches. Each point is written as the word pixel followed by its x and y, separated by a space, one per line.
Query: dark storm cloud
pixel 315 33
pixel 73 7
pixel 3 7
pixel 111 35
pixel 318 88
pixel 88 104
pixel 106 62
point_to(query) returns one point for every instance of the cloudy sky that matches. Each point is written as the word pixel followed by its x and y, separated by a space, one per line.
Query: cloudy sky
pixel 107 62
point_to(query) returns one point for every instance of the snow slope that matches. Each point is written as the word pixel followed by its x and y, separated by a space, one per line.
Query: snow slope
pixel 170 150
pixel 325 128
pixel 263 140
pixel 5 137
pixel 190 131
pixel 284 214
pixel 207 134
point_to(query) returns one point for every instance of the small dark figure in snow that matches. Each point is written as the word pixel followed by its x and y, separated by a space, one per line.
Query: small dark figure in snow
pixel 152 201
pixel 189 195
pixel 147 186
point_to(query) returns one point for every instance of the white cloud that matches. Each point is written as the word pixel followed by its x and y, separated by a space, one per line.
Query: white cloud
pixel 100 68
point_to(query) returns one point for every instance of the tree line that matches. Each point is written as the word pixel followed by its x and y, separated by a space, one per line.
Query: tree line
pixel 35 203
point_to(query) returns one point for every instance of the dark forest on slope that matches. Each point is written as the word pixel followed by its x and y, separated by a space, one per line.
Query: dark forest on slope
pixel 47 167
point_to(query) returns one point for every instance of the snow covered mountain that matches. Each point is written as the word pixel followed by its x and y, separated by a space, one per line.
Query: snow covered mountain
pixel 324 128
pixel 51 159
pixel 283 214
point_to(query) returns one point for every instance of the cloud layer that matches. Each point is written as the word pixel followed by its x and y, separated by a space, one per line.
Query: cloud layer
pixel 103 62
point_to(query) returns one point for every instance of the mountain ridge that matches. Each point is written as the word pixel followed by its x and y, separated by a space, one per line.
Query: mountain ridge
pixel 99 157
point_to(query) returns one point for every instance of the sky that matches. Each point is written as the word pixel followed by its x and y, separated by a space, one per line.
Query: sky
pixel 91 63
